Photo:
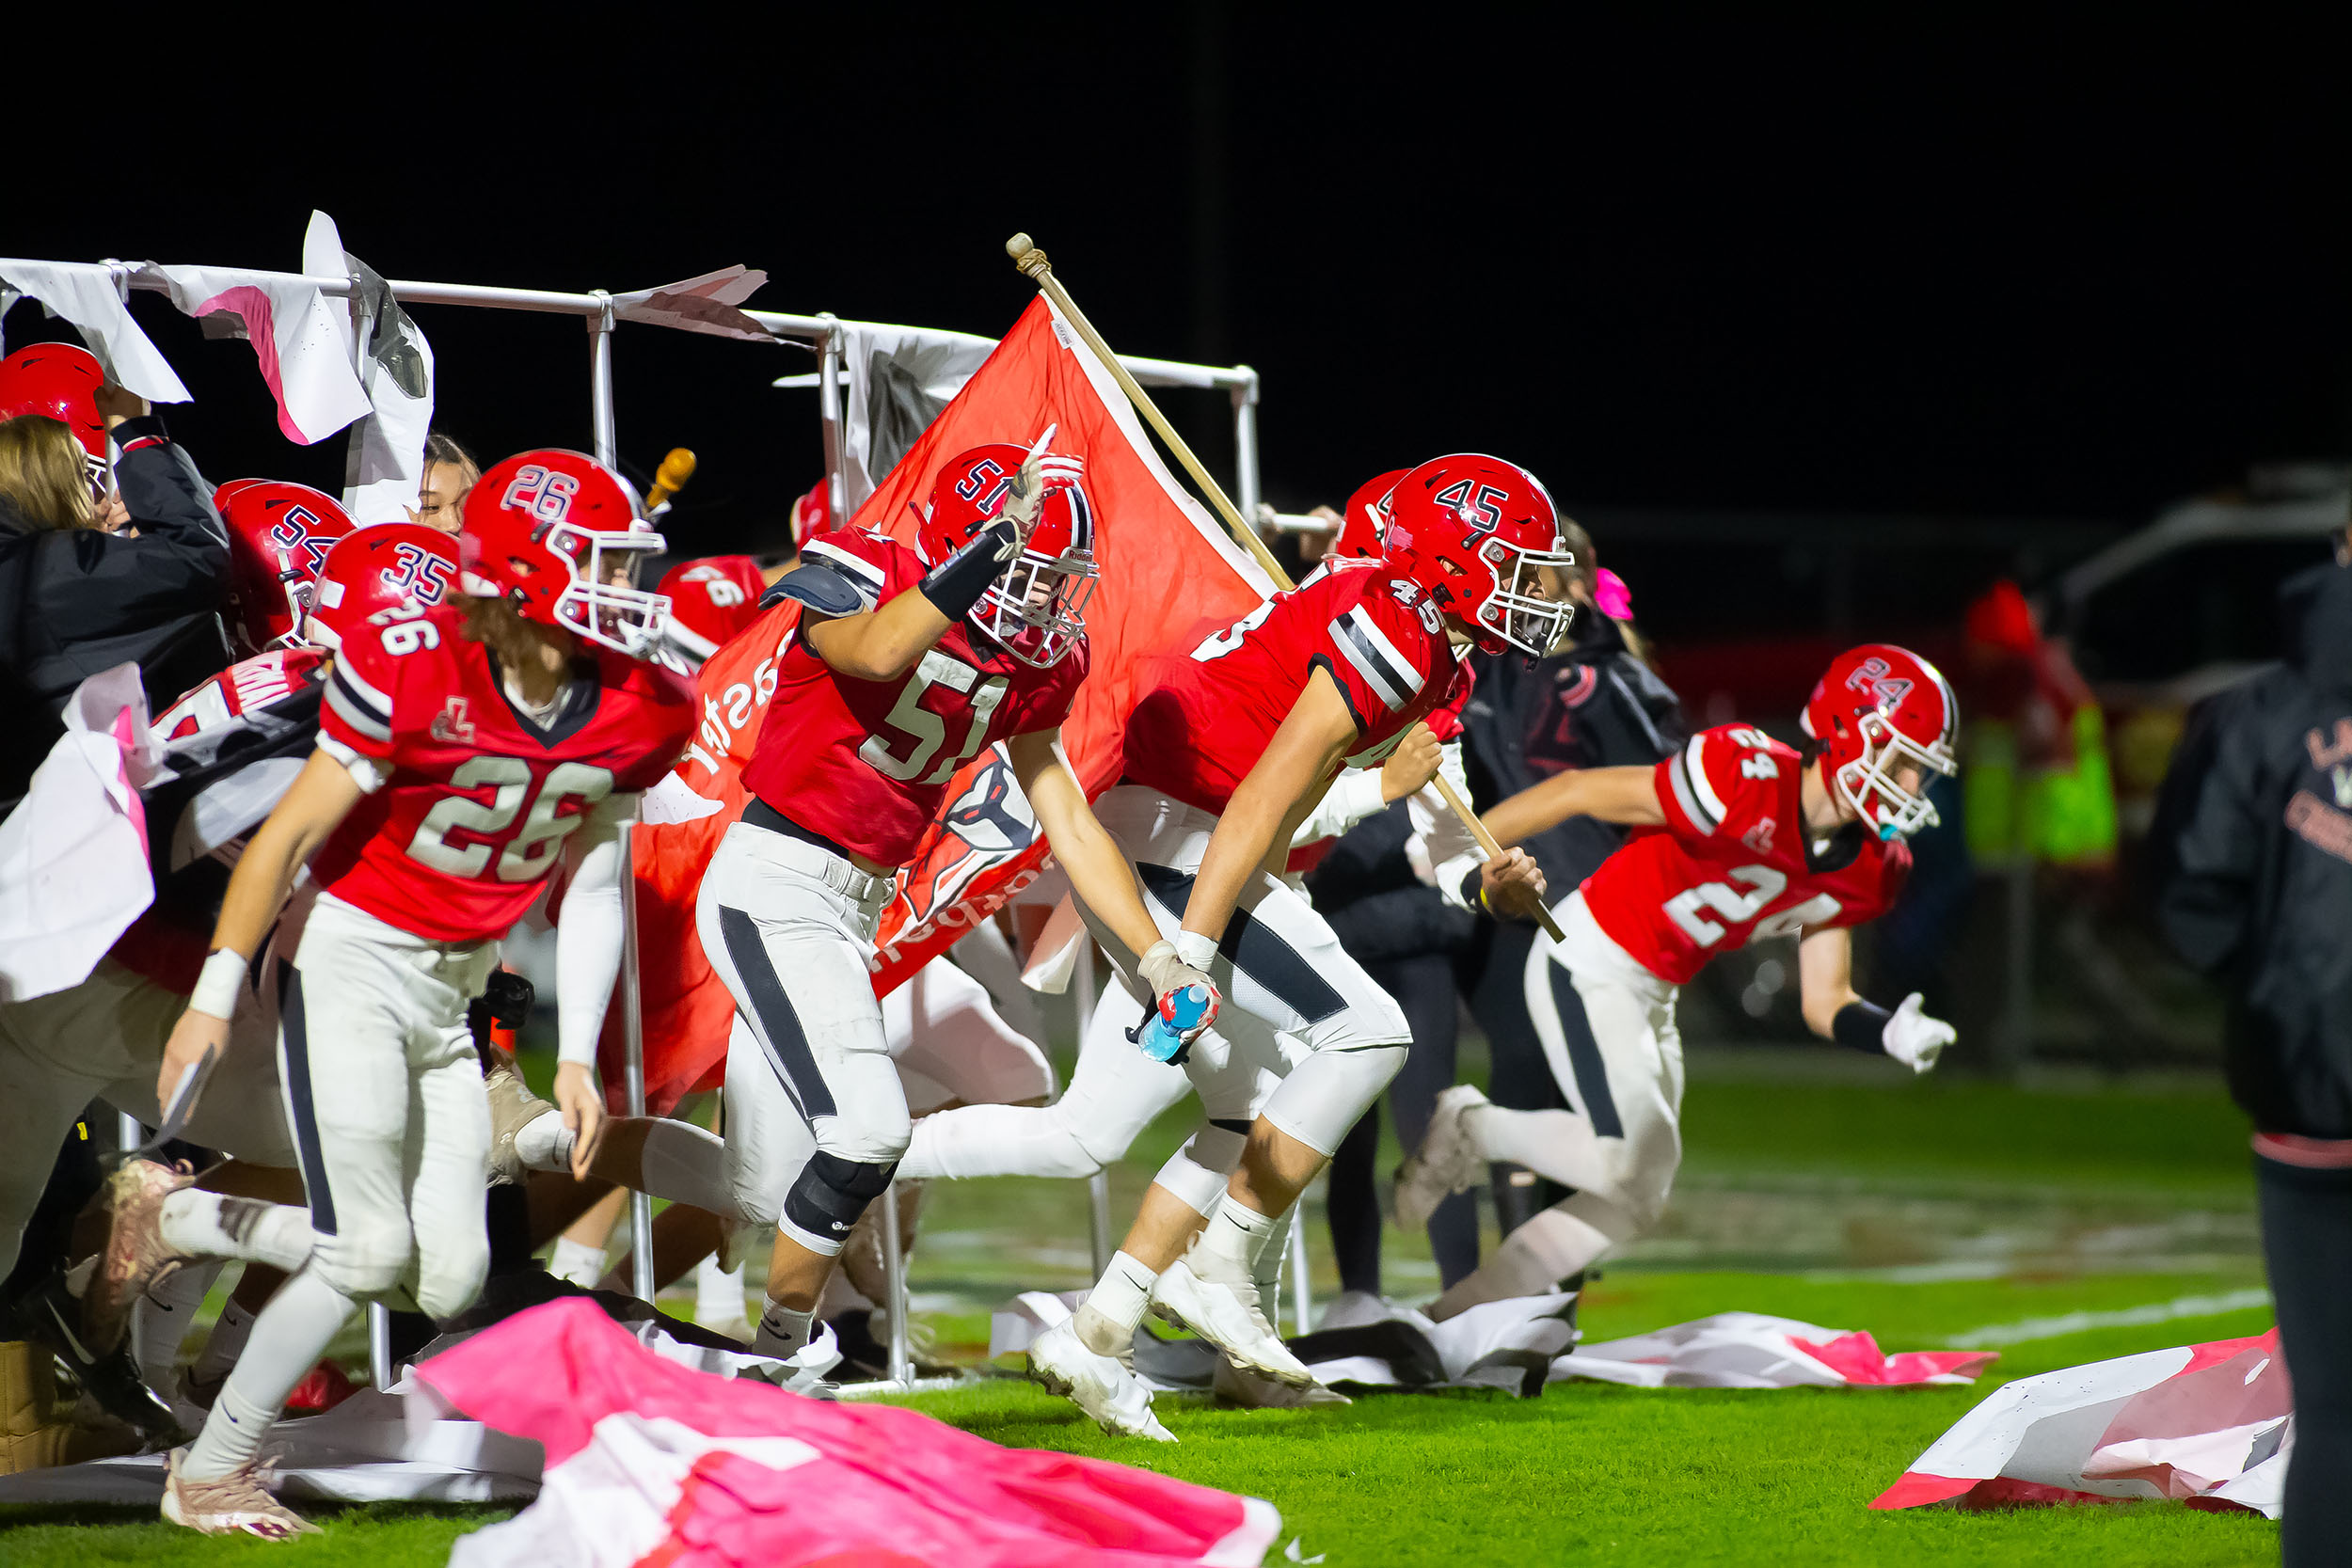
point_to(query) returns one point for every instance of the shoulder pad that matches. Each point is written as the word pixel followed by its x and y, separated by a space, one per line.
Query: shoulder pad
pixel 820 588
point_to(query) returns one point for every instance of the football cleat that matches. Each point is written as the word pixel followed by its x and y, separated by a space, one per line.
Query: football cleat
pixel 1252 1391
pixel 1225 1313
pixel 513 1107
pixel 135 1255
pixel 1105 1386
pixel 1447 1161
pixel 236 1504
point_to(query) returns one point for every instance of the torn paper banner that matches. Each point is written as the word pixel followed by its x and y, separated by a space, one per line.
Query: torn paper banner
pixel 1749 1349
pixel 2211 1425
pixel 385 469
pixel 704 304
pixel 301 337
pixel 89 296
pixel 648 1461
pixel 73 865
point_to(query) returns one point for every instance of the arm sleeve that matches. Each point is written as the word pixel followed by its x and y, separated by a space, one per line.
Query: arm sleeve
pixel 1442 849
pixel 1353 796
pixel 588 935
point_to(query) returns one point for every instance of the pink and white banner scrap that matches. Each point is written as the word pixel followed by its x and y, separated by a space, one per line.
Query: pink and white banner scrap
pixel 652 1465
pixel 1750 1350
pixel 2210 1425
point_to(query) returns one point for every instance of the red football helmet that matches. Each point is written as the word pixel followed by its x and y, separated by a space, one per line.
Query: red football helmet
pixel 557 535
pixel 1037 610
pixel 1481 535
pixel 714 597
pixel 378 567
pixel 61 381
pixel 1877 708
pixel 1365 523
pixel 812 514
pixel 279 536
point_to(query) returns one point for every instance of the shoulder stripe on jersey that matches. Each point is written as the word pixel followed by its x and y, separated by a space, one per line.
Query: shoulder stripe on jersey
pixel 352 709
pixel 1387 672
pixel 1693 793
pixel 864 576
pixel 363 690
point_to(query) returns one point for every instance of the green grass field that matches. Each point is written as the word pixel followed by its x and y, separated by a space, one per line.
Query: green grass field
pixel 1926 1211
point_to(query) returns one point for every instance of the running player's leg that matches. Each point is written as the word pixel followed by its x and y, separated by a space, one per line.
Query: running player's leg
pixel 449 1138
pixel 792 951
pixel 1114 1093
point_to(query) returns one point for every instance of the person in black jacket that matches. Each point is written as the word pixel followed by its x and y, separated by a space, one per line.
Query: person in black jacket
pixel 1596 706
pixel 2254 844
pixel 78 597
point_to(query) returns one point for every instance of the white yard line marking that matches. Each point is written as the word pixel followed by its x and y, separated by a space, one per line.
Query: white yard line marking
pixel 2027 1329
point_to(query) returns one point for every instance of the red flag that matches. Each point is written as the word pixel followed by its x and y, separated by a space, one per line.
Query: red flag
pixel 1165 567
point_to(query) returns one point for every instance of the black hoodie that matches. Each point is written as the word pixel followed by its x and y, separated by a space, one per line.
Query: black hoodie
pixel 2254 852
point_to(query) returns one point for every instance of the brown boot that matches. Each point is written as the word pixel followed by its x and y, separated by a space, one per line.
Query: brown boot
pixel 35 1435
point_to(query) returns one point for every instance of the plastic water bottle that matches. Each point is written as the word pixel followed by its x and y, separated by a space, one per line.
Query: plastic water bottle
pixel 1166 1031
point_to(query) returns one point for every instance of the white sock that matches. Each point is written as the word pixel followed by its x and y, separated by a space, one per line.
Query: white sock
pixel 1558 1144
pixel 578 1262
pixel 162 1319
pixel 227 1342
pixel 1265 1267
pixel 783 1333
pixel 544 1143
pixel 717 1293
pixel 1530 1262
pixel 1107 1321
pixel 289 1337
pixel 212 1225
pixel 1230 1241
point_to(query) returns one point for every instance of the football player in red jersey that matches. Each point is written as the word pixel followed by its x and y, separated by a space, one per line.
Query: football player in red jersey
pixel 897 676
pixel 464 753
pixel 1736 837
pixel 1227 752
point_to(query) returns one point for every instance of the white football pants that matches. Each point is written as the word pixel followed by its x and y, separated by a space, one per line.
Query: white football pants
pixel 1608 1030
pixel 384 1095
pixel 1304 1036
pixel 951 1045
pixel 816 1116
pixel 104 1039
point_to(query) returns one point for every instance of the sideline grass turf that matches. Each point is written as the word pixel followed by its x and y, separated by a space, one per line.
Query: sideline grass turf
pixel 1595 1474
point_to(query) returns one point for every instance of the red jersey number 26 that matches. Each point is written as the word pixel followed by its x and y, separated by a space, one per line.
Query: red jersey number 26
pixel 531 849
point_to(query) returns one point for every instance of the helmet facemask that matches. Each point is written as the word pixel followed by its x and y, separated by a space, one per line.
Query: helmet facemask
pixel 603 603
pixel 1535 624
pixel 1036 611
pixel 1868 785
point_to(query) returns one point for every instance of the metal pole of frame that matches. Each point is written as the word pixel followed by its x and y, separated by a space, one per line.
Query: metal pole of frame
pixel 1099 1184
pixel 1246 495
pixel 380 1345
pixel 601 380
pixel 829 412
pixel 641 1280
pixel 901 1367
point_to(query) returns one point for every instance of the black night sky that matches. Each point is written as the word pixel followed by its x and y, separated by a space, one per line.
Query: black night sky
pixel 2054 270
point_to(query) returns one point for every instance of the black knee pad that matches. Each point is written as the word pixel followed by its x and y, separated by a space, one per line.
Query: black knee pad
pixel 832 1193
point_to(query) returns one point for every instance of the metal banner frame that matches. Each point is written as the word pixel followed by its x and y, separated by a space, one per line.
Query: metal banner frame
pixel 822 333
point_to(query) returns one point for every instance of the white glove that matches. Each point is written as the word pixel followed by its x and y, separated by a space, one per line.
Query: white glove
pixel 1164 970
pixel 1046 471
pixel 1914 1039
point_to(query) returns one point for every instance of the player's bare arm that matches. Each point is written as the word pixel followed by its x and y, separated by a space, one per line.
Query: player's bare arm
pixel 323 794
pixel 883 643
pixel 1625 795
pixel 1835 1011
pixel 1098 870
pixel 1295 766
